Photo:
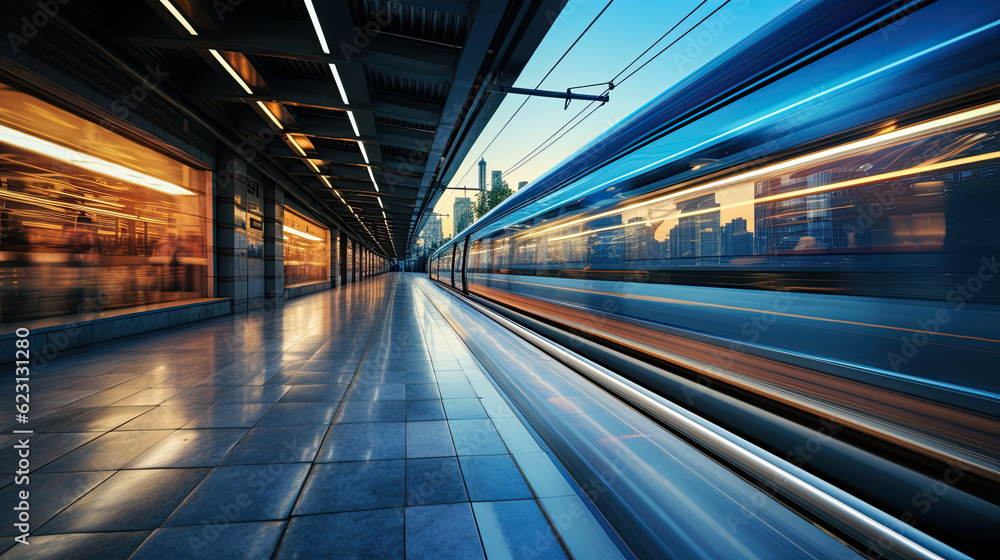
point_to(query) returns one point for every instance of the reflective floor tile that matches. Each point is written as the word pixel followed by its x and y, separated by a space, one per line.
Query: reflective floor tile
pixel 434 481
pixel 242 493
pixel 109 452
pixel 476 437
pixel 298 414
pixel 422 391
pixel 314 394
pixel 148 397
pixel 333 487
pixel 585 538
pixel 456 391
pixel 363 442
pixel 165 417
pixel 198 395
pixel 128 501
pixel 493 477
pixel 229 416
pixel 48 495
pixel 516 529
pixel 428 439
pixel 371 411
pixel 442 532
pixel 267 394
pixel 329 366
pixel 320 378
pixel 353 535
pixel 228 541
pixel 424 410
pixel 463 409
pixel 289 444
pixel 101 420
pixel 515 435
pixel 79 546
pixel 45 448
pixel 189 448
pixel 496 407
pixel 377 392
pixel 446 376
pixel 543 476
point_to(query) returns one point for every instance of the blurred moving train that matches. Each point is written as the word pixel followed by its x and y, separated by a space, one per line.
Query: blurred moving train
pixel 810 224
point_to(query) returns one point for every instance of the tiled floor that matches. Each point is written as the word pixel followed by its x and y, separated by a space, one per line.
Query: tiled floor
pixel 351 423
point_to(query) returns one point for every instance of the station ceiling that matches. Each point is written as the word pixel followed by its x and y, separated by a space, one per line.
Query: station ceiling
pixel 370 105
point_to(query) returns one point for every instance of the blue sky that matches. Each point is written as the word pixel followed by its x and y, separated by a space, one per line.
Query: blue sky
pixel 624 31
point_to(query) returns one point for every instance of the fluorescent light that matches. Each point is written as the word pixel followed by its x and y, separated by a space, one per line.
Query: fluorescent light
pixel 295 146
pixel 379 199
pixel 312 165
pixel 354 123
pixel 274 119
pixel 372 175
pixel 180 17
pixel 364 153
pixel 87 161
pixel 340 85
pixel 231 70
pixel 325 181
pixel 319 29
pixel 302 234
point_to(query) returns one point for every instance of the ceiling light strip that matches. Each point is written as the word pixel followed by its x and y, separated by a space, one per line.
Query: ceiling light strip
pixel 232 71
pixel 364 153
pixel 316 26
pixel 180 17
pixel 273 118
pixel 340 84
pixel 354 123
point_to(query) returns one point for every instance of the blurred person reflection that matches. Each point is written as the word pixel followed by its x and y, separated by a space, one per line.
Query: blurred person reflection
pixel 82 245
pixel 15 244
pixel 165 259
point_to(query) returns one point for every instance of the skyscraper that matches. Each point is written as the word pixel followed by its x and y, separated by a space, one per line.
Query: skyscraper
pixel 697 235
pixel 521 184
pixel 482 175
pixel 432 233
pixel 463 215
pixel 497 179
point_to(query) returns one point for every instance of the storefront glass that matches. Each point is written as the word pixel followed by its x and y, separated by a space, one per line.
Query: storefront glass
pixel 92 221
pixel 307 250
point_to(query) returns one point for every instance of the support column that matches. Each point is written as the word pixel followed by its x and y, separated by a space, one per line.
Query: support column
pixel 334 257
pixel 274 243
pixel 230 229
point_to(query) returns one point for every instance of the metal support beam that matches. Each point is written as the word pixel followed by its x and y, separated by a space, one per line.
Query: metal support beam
pixel 567 95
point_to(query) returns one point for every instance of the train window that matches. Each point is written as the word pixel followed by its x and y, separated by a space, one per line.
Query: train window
pixel 919 193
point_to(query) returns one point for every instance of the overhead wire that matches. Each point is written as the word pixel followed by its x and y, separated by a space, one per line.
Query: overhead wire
pixel 526 99
pixel 546 144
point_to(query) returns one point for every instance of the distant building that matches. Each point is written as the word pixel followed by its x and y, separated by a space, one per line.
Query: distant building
pixel 736 240
pixel 521 184
pixel 432 233
pixel 482 175
pixel 698 235
pixel 463 216
pixel 639 241
pixel 497 179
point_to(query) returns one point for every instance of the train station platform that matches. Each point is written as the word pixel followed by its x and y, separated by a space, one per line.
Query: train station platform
pixel 350 423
